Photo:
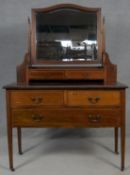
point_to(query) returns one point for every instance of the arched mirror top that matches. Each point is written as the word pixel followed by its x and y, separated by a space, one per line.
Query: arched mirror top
pixel 66 34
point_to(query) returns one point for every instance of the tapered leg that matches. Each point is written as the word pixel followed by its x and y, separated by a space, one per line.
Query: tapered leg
pixel 19 140
pixel 116 140
pixel 122 148
pixel 10 148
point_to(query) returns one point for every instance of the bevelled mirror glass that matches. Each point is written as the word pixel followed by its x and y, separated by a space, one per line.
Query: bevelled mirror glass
pixel 66 35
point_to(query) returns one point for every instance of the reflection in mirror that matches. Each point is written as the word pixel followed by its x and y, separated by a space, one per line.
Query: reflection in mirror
pixel 67 35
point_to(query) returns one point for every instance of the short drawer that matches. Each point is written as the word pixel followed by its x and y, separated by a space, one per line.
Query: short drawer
pixel 39 97
pixel 46 74
pixel 79 118
pixel 82 74
pixel 93 98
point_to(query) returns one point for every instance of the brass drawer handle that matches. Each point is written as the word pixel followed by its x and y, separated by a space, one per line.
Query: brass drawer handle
pixel 94 118
pixel 37 117
pixel 93 100
pixel 37 100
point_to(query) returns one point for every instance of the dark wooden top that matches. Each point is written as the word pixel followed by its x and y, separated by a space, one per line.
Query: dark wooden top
pixel 15 86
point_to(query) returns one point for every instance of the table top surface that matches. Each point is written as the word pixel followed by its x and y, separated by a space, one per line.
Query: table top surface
pixel 64 85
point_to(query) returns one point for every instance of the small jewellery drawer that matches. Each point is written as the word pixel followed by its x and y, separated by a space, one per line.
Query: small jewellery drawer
pixel 81 118
pixel 46 75
pixel 93 98
pixel 39 97
pixel 82 74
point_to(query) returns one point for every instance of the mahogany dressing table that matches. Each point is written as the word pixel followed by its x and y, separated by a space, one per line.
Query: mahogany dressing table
pixel 66 79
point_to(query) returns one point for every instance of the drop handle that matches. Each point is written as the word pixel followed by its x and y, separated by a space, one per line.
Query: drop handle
pixel 37 100
pixel 37 117
pixel 94 118
pixel 93 100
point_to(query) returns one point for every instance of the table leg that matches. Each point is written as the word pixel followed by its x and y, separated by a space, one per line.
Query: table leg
pixel 122 148
pixel 19 134
pixel 10 147
pixel 116 140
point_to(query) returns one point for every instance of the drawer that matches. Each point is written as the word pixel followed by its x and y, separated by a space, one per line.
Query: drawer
pixel 66 117
pixel 82 74
pixel 39 97
pixel 93 98
pixel 46 74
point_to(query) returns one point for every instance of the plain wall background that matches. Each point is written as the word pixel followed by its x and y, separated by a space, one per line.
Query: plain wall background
pixel 13 39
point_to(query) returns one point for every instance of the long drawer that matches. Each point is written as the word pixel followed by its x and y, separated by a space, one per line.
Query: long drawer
pixel 73 117
pixel 93 98
pixel 36 98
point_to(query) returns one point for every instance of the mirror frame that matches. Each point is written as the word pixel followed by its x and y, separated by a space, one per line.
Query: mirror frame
pixel 33 46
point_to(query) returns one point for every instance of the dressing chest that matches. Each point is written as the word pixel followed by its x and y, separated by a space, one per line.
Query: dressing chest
pixel 66 79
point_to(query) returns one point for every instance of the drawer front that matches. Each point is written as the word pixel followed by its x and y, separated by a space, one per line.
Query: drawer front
pixel 46 75
pixel 36 98
pixel 66 117
pixel 82 74
pixel 93 98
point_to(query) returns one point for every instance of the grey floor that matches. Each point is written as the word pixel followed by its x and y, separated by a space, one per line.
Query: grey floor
pixel 64 152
